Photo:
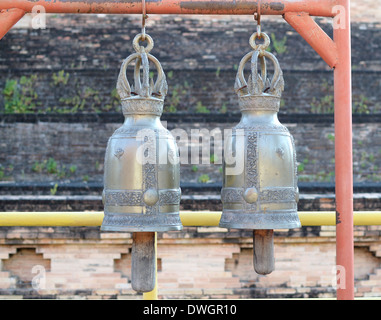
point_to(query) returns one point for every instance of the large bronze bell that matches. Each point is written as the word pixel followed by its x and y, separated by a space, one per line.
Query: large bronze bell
pixel 142 170
pixel 263 195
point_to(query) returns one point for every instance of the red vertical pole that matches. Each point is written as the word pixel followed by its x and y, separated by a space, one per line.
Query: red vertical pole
pixel 343 154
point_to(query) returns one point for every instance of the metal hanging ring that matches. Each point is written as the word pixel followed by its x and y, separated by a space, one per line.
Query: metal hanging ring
pixel 259 47
pixel 138 38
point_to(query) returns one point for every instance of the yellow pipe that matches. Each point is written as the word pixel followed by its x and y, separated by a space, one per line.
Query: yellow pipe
pixel 200 218
pixel 51 219
pixel 317 218
pixel 188 218
pixel 367 218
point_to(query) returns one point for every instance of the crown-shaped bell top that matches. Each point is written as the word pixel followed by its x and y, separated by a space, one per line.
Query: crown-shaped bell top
pixel 259 93
pixel 145 96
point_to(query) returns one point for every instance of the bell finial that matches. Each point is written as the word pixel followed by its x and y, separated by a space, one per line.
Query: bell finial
pixel 259 84
pixel 144 88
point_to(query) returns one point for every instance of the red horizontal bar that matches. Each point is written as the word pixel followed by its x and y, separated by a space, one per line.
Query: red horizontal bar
pixel 230 7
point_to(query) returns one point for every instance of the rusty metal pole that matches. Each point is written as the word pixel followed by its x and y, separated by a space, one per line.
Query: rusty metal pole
pixel 320 8
pixel 315 36
pixel 337 55
pixel 343 155
pixel 8 18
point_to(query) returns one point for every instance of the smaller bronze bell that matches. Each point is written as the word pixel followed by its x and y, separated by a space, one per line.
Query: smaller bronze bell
pixel 142 170
pixel 263 196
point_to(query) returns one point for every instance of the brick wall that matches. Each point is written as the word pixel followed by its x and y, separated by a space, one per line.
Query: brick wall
pixel 89 48
pixel 83 145
pixel 202 262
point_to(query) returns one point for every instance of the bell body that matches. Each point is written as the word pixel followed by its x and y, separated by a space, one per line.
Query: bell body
pixel 142 173
pixel 264 194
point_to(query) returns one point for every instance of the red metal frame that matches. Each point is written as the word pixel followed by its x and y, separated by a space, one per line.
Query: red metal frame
pixel 268 7
pixel 336 53
pixel 343 156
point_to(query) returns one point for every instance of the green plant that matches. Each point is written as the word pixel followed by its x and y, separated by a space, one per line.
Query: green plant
pixel 86 97
pixel 5 172
pixel 203 178
pixel 98 166
pixel 61 173
pixel 20 96
pixel 175 96
pixel 75 103
pixel 39 166
pixel 324 105
pixel 92 98
pixel 85 178
pixel 171 109
pixel 361 105
pixel 194 168
pixel 367 161
pixel 321 176
pixel 200 108
pixel 224 108
pixel 61 77
pixel 218 72
pixel 373 177
pixel 114 100
pixel 51 166
pixel 331 137
pixel 213 158
pixel 279 45
pixel 53 191
pixel 73 169
pixel 300 167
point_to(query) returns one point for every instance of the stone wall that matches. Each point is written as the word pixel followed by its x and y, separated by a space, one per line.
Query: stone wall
pixel 72 66
pixel 89 48
pixel 25 145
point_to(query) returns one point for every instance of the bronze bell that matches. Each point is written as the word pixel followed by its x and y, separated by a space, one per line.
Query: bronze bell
pixel 142 170
pixel 263 194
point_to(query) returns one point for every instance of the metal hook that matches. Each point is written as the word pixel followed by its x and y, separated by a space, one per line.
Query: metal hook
pixel 257 17
pixel 144 17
